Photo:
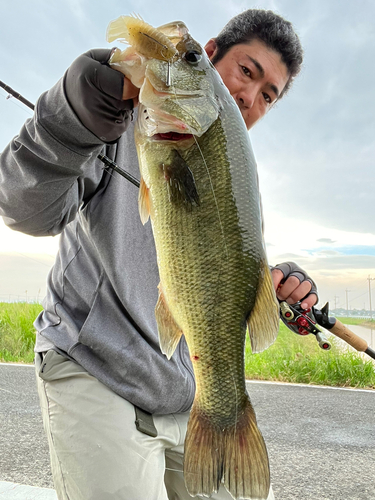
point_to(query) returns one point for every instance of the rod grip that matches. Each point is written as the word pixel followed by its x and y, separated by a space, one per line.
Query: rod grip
pixel 348 336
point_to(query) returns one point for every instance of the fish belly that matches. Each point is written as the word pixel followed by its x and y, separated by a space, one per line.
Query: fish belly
pixel 210 262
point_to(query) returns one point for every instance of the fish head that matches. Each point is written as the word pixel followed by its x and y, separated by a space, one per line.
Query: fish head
pixel 178 83
pixel 179 95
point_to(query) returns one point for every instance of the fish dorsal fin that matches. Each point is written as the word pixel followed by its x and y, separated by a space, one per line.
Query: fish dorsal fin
pixel 169 332
pixel 263 323
pixel 144 203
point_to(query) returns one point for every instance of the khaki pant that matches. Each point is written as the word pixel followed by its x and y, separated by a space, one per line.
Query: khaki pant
pixel 96 451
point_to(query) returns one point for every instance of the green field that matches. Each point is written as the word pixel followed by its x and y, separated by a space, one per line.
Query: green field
pixel 291 358
pixel 17 334
pixel 358 321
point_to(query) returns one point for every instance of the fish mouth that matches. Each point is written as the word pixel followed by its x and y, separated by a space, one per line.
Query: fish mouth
pixel 172 136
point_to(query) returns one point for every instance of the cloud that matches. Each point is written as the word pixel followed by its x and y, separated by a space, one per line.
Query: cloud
pixel 315 149
pixel 317 146
pixel 331 262
pixel 326 240
pixel 353 250
pixel 325 252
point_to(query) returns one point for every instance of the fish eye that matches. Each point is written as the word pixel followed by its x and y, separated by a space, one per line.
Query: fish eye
pixel 193 57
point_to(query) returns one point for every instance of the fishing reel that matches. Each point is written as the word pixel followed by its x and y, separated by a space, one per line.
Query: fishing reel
pixel 303 322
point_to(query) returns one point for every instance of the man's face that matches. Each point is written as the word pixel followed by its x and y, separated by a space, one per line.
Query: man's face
pixel 254 75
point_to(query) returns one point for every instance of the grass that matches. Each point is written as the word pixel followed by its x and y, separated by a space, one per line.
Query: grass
pixel 17 334
pixel 358 321
pixel 297 359
pixel 291 358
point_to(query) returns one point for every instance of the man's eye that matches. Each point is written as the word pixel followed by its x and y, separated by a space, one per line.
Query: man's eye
pixel 246 71
pixel 267 98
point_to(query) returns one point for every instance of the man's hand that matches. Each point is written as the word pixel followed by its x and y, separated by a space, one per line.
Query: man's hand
pixel 100 96
pixel 130 91
pixel 292 284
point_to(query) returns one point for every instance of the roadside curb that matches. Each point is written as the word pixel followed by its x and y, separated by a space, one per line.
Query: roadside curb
pixel 14 491
pixel 252 381
pixel 29 365
pixel 312 386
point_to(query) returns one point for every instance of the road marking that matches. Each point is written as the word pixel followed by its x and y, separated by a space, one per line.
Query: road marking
pixel 14 491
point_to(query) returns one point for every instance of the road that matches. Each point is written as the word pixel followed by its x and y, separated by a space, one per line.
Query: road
pixel 321 441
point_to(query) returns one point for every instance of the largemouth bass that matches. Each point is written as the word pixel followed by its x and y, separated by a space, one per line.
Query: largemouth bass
pixel 199 186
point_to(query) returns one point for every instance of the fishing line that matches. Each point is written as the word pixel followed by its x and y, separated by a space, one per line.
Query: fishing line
pixel 205 164
pixel 8 97
pixel 16 95
pixel 235 389
pixel 212 188
pixel 35 260
pixel 213 192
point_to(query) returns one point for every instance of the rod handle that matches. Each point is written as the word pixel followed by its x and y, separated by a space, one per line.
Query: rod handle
pixel 348 336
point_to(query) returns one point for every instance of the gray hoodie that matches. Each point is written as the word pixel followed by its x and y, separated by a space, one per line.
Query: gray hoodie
pixel 102 290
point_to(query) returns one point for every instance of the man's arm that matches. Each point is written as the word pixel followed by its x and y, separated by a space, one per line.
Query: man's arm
pixel 48 170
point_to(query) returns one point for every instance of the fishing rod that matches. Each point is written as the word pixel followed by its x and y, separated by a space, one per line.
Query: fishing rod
pixel 305 322
pixel 17 95
pixel 300 321
pixel 103 158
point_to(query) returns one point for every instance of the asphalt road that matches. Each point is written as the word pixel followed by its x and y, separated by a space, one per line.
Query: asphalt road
pixel 321 441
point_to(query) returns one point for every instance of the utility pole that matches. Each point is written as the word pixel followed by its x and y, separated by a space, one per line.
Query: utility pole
pixel 369 279
pixel 347 308
pixel 336 297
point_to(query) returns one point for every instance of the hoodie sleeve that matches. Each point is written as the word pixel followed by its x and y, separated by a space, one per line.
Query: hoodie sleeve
pixel 50 168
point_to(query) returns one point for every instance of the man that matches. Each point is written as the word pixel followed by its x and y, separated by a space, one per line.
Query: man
pixel 97 351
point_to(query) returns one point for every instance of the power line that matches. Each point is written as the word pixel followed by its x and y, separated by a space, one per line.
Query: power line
pixel 358 296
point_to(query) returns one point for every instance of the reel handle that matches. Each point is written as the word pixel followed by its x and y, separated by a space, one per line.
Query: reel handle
pixel 323 342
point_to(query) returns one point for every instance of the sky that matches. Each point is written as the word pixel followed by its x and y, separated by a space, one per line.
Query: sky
pixel 315 150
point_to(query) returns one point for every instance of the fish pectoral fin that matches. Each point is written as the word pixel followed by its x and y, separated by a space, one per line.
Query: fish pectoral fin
pixel 263 322
pixel 169 332
pixel 180 181
pixel 144 204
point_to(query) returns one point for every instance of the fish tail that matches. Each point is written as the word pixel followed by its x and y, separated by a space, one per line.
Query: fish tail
pixel 236 456
pixel 203 458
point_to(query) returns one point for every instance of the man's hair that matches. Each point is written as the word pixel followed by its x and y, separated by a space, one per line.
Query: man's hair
pixel 271 29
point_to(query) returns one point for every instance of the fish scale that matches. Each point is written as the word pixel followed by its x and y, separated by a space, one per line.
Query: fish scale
pixel 199 186
pixel 183 271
